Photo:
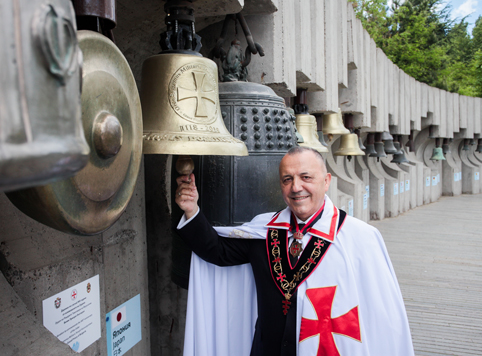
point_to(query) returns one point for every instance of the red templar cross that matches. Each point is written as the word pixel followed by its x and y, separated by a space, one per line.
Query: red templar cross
pixel 347 324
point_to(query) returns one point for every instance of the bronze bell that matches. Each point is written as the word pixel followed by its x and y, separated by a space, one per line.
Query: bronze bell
pixel 306 126
pixel 479 146
pixel 349 146
pixel 388 143
pixel 180 108
pixel 333 125
pixel 437 154
pixel 360 142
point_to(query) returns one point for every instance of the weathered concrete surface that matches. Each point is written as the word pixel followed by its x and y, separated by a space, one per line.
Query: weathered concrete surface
pixel 435 251
pixel 39 261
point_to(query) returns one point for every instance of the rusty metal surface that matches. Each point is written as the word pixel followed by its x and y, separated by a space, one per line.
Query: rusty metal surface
pixel 93 200
pixel 41 138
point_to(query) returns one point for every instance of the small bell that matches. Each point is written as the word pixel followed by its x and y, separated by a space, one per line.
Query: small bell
pixel 349 146
pixel 466 145
pixel 479 146
pixel 319 129
pixel 399 157
pixel 306 126
pixel 437 154
pixel 360 142
pixel 370 147
pixel 379 148
pixel 472 142
pixel 446 146
pixel 333 125
pixel 388 143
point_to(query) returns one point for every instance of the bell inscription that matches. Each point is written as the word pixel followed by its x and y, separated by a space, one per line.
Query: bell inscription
pixel 193 93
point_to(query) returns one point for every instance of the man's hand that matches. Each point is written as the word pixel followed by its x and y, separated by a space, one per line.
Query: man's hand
pixel 187 195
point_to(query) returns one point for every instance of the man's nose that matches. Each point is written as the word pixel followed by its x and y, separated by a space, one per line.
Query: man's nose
pixel 296 186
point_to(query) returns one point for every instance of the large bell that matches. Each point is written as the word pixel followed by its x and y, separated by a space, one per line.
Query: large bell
pixel 306 125
pixel 180 107
pixel 41 136
pixel 349 146
pixel 437 154
pixel 333 125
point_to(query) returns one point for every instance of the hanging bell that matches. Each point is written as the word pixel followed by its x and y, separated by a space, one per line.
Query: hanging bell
pixel 306 125
pixel 399 157
pixel 466 145
pixel 360 142
pixel 388 143
pixel 472 142
pixel 333 125
pixel 319 129
pixel 446 146
pixel 180 107
pixel 479 146
pixel 380 150
pixel 370 150
pixel 349 146
pixel 437 154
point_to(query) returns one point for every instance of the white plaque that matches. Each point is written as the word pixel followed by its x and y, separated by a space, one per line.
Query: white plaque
pixel 402 187
pixel 350 207
pixel 407 185
pixel 427 181
pixel 367 188
pixel 395 188
pixel 382 190
pixel 73 315
pixel 434 180
pixel 365 201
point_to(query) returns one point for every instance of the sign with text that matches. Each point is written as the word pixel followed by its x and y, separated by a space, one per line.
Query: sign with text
pixel 73 315
pixel 123 327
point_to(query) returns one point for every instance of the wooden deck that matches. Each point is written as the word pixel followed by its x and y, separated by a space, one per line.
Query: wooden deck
pixel 436 251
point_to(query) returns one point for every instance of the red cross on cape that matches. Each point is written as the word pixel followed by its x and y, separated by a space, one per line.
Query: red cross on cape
pixel 325 326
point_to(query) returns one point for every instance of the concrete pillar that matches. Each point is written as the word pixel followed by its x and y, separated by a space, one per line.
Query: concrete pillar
pixel 317 45
pixel 358 171
pixel 398 184
pixel 394 97
pixel 416 180
pixel 333 189
pixel 303 44
pixel 417 124
pixel 449 108
pixel 424 97
pixel 342 41
pixel 367 82
pixel 327 100
pixel 404 103
pixel 456 120
pixel 374 101
pixel 376 190
pixel 463 114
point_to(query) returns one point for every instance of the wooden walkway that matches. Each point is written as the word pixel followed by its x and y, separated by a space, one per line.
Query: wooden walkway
pixel 436 251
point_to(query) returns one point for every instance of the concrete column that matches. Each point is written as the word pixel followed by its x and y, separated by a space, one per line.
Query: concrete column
pixel 417 125
pixel 417 182
pixel 367 82
pixel 303 43
pixel 376 190
pixel 394 99
pixel 456 120
pixel 477 115
pixel 424 102
pixel 398 186
pixel 374 86
pixel 414 108
pixel 463 113
pixel 327 100
pixel 449 108
pixel 443 113
pixel 470 117
pixel 403 105
pixel 342 42
pixel 359 173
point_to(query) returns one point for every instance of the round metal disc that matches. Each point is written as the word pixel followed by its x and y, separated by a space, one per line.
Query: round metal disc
pixel 93 200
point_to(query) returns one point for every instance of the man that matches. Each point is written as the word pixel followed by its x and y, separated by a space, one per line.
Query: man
pixel 324 281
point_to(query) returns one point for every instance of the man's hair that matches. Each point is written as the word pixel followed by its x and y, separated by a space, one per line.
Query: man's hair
pixel 301 149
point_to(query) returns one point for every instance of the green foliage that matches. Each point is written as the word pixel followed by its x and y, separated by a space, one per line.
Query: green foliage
pixel 420 38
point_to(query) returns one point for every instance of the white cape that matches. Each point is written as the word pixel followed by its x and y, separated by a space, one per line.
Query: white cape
pixel 356 271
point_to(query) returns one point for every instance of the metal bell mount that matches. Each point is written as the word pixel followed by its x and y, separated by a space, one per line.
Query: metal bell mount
pixel 319 129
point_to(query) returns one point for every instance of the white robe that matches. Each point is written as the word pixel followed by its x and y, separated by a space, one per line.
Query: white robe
pixel 222 308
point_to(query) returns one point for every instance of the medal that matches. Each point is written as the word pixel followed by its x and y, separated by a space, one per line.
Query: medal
pixel 298 235
pixel 295 248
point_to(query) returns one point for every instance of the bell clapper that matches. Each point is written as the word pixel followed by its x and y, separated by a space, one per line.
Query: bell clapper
pixel 185 165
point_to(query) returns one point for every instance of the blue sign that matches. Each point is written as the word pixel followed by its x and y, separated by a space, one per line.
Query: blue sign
pixel 123 327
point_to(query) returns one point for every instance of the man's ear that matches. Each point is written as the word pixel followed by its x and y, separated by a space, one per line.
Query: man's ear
pixel 327 181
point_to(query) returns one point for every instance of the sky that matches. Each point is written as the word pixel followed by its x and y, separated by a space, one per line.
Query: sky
pixel 461 8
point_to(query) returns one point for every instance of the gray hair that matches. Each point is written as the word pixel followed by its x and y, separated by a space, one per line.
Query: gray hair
pixel 300 149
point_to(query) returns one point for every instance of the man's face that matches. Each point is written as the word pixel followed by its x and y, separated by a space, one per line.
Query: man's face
pixel 303 183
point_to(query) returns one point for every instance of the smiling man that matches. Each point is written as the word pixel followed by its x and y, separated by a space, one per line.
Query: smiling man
pixel 323 280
